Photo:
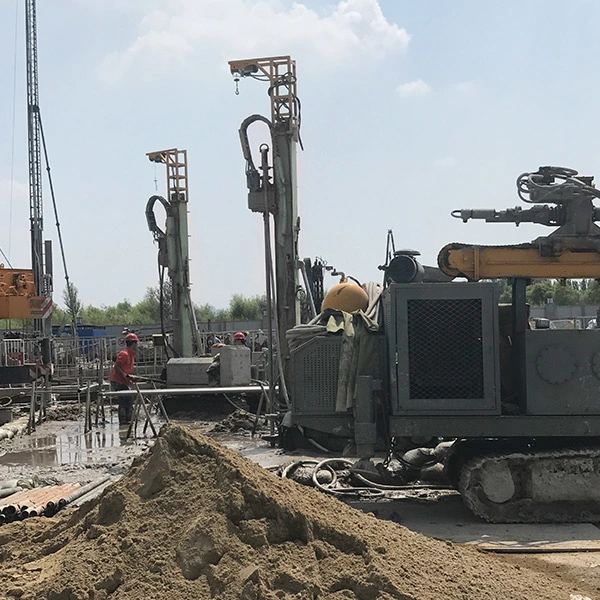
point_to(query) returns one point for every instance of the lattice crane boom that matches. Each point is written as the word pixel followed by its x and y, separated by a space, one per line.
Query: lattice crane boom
pixel 36 217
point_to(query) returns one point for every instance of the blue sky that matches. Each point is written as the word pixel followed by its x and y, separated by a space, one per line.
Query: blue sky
pixel 409 110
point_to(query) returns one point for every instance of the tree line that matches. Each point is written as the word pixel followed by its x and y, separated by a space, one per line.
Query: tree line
pixel 561 292
pixel 241 308
pixel 148 309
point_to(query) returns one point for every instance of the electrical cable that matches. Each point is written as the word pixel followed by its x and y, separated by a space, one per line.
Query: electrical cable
pixel 235 405
pixel 397 488
pixel 372 488
pixel 369 491
pixel 281 379
pixel 6 258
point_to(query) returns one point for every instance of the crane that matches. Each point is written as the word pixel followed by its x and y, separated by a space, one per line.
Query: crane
pixel 41 276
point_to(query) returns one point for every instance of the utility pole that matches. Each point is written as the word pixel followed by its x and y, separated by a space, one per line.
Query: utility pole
pixel 42 326
pixel 280 72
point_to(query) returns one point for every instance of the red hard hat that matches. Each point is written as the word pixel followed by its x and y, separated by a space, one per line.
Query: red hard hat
pixel 131 337
pixel 239 336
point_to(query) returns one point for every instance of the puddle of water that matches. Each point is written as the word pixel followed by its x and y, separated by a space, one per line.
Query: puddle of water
pixel 69 446
pixel 57 443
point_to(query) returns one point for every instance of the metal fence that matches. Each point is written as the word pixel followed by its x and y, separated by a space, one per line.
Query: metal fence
pixel 92 358
pixel 83 358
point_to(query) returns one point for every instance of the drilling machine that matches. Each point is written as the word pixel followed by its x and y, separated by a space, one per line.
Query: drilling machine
pixel 523 406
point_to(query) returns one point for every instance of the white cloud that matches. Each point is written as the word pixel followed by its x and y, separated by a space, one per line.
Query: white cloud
pixel 172 35
pixel 413 89
pixel 447 162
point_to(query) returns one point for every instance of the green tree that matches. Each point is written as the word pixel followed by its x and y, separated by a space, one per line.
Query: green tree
pixel 120 314
pixel 150 304
pixel 592 293
pixel 205 312
pixel 246 309
pixel 566 294
pixel 506 293
pixel 72 302
pixel 59 316
pixel 92 315
pixel 539 292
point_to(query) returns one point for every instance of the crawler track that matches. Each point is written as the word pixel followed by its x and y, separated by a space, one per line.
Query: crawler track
pixel 533 487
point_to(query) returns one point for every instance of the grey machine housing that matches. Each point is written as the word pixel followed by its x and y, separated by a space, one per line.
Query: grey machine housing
pixel 448 357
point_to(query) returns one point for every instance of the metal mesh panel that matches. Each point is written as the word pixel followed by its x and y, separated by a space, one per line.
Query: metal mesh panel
pixel 315 376
pixel 445 353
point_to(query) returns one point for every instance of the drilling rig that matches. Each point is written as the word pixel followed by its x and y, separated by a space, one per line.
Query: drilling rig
pixel 173 252
pixel 450 363
pixel 277 196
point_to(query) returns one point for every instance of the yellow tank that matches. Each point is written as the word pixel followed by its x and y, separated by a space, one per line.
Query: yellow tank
pixel 346 296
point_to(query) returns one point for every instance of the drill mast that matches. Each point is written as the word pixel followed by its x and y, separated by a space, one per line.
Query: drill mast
pixel 280 73
pixel 173 251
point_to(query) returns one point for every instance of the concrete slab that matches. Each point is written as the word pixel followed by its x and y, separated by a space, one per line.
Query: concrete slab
pixel 448 519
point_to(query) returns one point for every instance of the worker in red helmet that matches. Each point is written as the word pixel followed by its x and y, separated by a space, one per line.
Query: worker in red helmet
pixel 122 377
pixel 239 339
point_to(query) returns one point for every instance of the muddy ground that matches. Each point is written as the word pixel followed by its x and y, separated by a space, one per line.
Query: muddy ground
pixel 60 451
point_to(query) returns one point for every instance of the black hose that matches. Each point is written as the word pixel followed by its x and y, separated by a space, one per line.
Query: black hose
pixel 341 491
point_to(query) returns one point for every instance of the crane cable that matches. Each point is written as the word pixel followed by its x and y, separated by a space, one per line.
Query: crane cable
pixel 70 291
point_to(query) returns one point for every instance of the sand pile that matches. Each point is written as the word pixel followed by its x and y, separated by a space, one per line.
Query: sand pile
pixel 192 520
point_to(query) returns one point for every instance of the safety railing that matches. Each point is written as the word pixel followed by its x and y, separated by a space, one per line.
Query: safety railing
pixel 93 358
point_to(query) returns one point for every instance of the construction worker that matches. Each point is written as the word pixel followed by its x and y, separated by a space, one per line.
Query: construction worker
pixel 122 377
pixel 239 339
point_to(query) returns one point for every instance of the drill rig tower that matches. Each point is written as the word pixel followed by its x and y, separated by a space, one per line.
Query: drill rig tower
pixel 173 246
pixel 280 73
pixel 43 326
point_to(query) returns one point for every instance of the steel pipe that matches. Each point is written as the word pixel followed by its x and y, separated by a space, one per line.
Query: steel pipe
pixel 244 389
pixel 4 492
pixel 91 494
pixel 36 496
pixel 10 483
pixel 34 511
pixel 81 491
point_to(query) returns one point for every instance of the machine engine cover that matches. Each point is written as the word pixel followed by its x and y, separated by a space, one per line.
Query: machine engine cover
pixel 442 342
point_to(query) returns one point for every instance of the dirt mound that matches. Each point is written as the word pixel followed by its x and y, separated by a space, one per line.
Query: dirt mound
pixel 237 421
pixel 193 520
pixel 64 412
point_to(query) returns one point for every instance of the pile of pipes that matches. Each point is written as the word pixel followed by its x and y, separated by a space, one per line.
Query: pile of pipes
pixel 17 504
pixel 14 428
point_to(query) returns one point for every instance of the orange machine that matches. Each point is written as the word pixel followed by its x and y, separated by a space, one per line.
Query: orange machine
pixel 18 299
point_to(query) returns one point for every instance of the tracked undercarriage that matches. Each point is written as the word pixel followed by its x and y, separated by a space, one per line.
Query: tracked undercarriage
pixel 538 486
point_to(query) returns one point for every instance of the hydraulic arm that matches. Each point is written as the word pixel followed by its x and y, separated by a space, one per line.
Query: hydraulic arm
pixel 571 251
